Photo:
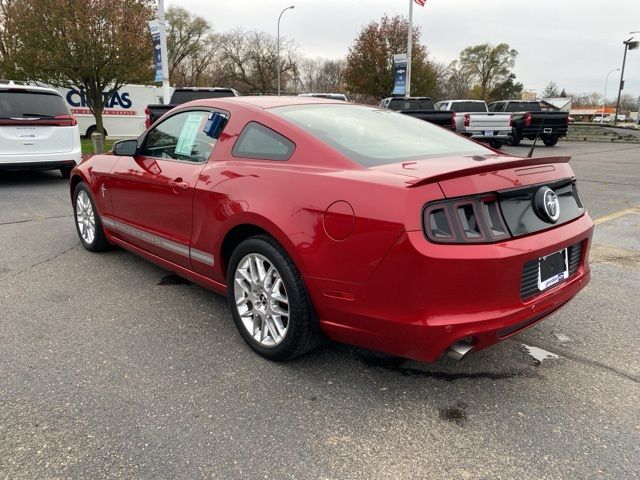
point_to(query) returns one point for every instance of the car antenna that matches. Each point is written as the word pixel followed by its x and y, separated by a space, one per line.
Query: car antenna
pixel 535 140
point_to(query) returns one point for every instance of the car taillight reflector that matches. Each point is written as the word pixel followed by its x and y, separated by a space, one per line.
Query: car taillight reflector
pixel 527 119
pixel 453 120
pixel 65 120
pixel 465 220
pixel 147 120
pixel 467 119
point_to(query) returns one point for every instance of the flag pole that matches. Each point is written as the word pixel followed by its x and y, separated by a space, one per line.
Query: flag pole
pixel 409 44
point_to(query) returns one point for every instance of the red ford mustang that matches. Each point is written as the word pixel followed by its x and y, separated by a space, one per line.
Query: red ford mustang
pixel 321 217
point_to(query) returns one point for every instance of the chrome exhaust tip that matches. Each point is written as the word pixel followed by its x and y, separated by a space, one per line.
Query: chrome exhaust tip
pixel 459 350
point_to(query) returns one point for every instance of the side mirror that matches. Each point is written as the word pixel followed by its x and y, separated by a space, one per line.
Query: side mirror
pixel 125 148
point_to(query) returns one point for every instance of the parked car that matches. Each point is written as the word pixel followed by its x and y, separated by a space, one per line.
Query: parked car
pixel 185 94
pixel 530 121
pixel 319 217
pixel 37 132
pixel 332 96
pixel 474 120
pixel 124 112
pixel 422 108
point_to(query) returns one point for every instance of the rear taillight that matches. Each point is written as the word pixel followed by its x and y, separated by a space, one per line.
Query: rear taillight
pixel 465 220
pixel 147 120
pixel 467 119
pixel 511 120
pixel 453 120
pixel 568 120
pixel 65 121
pixel 527 119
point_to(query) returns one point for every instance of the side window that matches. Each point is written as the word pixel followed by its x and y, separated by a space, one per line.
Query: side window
pixel 261 143
pixel 181 137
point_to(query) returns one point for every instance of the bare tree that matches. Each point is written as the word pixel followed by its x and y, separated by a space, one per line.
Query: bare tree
pixel 249 58
pixel 187 41
pixel 321 75
pixel 458 81
pixel 200 68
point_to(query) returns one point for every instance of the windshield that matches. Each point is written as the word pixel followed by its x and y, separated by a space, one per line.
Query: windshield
pixel 469 106
pixel 408 104
pixel 373 136
pixel 523 107
pixel 16 104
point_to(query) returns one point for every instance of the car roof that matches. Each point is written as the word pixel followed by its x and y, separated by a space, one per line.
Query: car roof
pixel 267 101
pixel 462 100
pixel 28 88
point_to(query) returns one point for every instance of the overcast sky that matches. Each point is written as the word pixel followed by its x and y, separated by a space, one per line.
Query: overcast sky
pixel 572 42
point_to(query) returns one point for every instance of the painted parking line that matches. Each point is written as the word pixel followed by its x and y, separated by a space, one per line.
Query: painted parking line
pixel 619 214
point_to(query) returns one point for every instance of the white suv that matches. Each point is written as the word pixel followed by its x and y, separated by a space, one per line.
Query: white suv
pixel 37 132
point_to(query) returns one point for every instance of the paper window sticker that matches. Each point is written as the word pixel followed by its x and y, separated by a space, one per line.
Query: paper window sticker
pixel 188 134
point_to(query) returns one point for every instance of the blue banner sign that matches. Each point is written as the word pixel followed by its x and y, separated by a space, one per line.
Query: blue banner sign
pixel 399 74
pixel 154 26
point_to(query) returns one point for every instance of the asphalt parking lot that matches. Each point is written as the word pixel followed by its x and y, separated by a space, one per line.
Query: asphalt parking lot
pixel 110 367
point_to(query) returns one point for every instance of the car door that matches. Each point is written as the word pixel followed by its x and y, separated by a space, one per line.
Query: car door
pixel 152 192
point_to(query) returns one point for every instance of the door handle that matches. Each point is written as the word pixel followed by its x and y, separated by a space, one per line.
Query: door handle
pixel 180 184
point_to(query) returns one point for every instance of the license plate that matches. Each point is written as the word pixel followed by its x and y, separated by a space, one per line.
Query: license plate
pixel 552 269
pixel 26 132
pixel 548 130
pixel 488 133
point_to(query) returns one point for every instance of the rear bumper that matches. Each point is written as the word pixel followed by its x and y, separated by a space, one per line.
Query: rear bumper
pixel 532 132
pixel 45 161
pixel 38 165
pixel 424 297
pixel 488 134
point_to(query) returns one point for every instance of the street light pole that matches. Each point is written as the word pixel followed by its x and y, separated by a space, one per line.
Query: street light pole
pixel 604 97
pixel 628 45
pixel 278 47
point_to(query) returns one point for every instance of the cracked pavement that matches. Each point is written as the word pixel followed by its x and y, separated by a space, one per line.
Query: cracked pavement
pixel 110 367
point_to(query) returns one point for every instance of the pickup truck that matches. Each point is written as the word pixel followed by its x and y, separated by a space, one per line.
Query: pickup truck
pixel 529 121
pixel 422 108
pixel 474 120
pixel 183 95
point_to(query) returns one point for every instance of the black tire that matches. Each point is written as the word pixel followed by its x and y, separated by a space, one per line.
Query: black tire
pixel 515 139
pixel 550 141
pixel 495 144
pixel 99 242
pixel 92 129
pixel 303 332
pixel 66 172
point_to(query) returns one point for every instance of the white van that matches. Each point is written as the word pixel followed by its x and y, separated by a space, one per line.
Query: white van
pixel 37 132
pixel 123 115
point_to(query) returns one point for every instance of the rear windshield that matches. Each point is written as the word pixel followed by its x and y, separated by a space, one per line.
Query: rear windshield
pixel 16 104
pixel 469 106
pixel 407 104
pixel 189 95
pixel 523 107
pixel 373 136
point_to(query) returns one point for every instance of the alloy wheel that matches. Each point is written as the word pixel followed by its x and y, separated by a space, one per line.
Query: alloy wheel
pixel 261 299
pixel 85 217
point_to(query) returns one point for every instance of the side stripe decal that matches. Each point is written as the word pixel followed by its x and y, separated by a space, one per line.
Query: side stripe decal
pixel 179 248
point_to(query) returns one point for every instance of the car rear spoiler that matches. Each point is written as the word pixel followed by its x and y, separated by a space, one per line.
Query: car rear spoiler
pixel 488 167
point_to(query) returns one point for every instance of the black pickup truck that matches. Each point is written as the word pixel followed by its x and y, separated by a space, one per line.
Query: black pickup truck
pixel 184 95
pixel 529 121
pixel 422 108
